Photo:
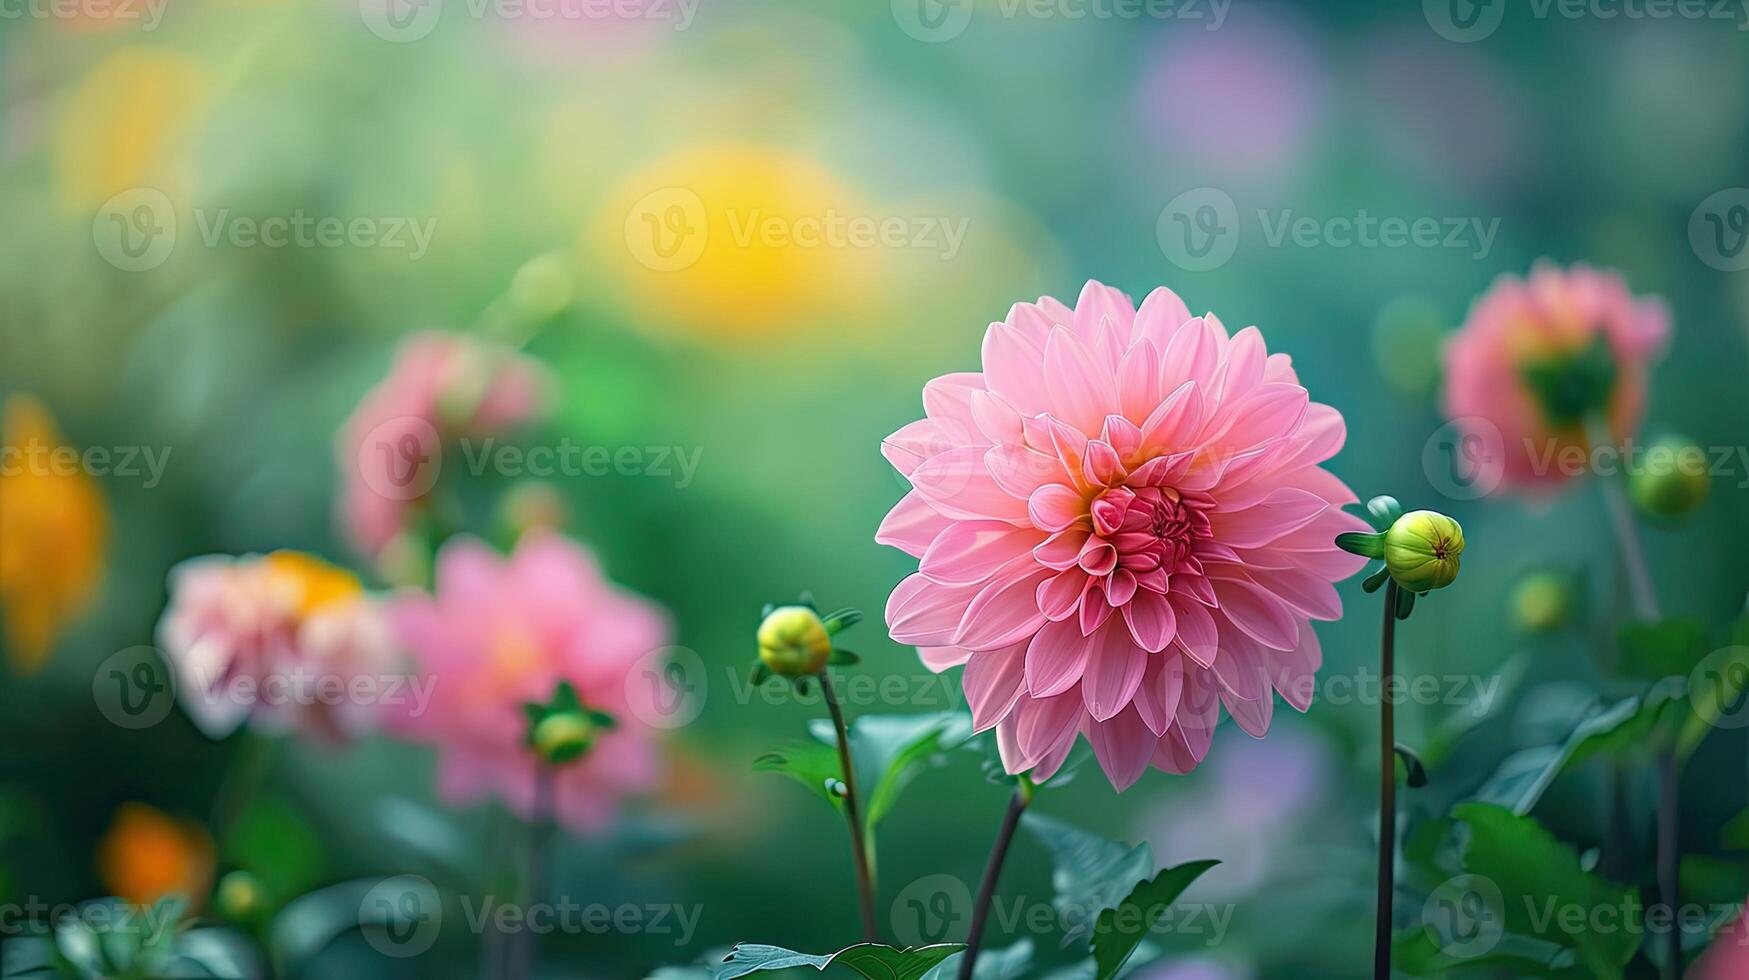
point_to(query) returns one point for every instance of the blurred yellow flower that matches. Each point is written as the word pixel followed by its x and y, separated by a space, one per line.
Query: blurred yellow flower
pixel 121 126
pixel 147 854
pixel 54 532
pixel 740 239
pixel 317 582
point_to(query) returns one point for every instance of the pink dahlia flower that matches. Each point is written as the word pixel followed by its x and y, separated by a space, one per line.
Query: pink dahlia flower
pixel 502 632
pixel 441 386
pixel 1727 958
pixel 1122 527
pixel 1552 318
pixel 285 639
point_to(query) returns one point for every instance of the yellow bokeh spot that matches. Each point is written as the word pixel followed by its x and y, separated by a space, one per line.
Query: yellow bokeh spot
pixel 122 126
pixel 318 583
pixel 54 532
pixel 147 854
pixel 738 240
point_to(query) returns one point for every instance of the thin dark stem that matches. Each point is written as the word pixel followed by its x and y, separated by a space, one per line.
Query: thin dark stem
pixel 1381 954
pixel 1669 779
pixel 992 871
pixel 1633 554
pixel 858 845
pixel 540 827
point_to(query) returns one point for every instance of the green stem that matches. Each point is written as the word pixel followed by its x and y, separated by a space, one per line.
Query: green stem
pixel 858 844
pixel 523 952
pixel 1621 517
pixel 1381 956
pixel 992 871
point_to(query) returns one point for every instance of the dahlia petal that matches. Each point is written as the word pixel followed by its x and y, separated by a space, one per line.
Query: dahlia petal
pixel 1045 722
pixel 993 682
pixel 1241 670
pixel 1279 367
pixel 1196 587
pixel 1193 352
pixel 1069 443
pixel 969 552
pixel 1113 672
pixel 1123 745
pixel 1161 314
pixel 1102 467
pixel 1172 425
pixel 1286 509
pixel 915 442
pixel 1258 614
pixel 1052 760
pixel 1242 370
pixel 921 613
pixel 1060 597
pixel 1019 471
pixel 1252 717
pixel 1293 673
pixel 1311 595
pixel 1062 549
pixel 1138 380
pixel 1157 697
pixel 957 484
pixel 1195 633
pixel 1098 302
pixel 996 418
pixel 1055 659
pixel 1108 346
pixel 1265 413
pixel 1014 760
pixel 1120 587
pixel 1095 610
pixel 1098 557
pixel 1006 610
pixel 939 659
pixel 948 401
pixel 1083 390
pixel 1122 435
pixel 1053 507
pixel 1014 365
pixel 1151 621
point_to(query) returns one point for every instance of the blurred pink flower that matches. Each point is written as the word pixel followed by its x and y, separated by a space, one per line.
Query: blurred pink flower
pixel 501 632
pixel 1122 526
pixel 441 386
pixel 1556 315
pixel 1727 958
pixel 284 639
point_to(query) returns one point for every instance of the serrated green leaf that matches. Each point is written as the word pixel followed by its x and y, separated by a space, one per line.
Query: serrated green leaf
pixel 1121 929
pixel 809 763
pixel 1010 963
pixel 1089 872
pixel 1546 893
pixel 872 961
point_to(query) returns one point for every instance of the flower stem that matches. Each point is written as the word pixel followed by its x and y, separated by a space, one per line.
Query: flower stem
pixel 858 844
pixel 992 871
pixel 1381 954
pixel 540 827
pixel 1633 556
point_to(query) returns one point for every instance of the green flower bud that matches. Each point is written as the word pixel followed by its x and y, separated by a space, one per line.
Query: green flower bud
pixel 241 898
pixel 563 736
pixel 1672 479
pixel 1422 549
pixel 1543 601
pixel 543 287
pixel 794 641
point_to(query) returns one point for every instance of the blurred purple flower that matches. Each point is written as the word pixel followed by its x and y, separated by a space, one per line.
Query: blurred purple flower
pixel 1442 109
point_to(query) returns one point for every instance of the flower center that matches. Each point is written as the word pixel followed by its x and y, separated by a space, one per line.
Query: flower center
pixel 1150 527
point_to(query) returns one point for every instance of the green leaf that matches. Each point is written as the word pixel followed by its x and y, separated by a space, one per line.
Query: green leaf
pixel 809 763
pixel 1010 963
pixel 1455 726
pixel 1419 954
pixel 1089 872
pixel 1362 543
pixel 1632 724
pixel 1122 928
pixel 840 620
pixel 869 960
pixel 1415 774
pixel 1384 511
pixel 272 840
pixel 1666 648
pixel 889 751
pixel 1546 893
pixel 843 658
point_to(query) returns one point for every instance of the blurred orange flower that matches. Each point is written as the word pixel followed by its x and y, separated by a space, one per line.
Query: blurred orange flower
pixel 147 854
pixel 54 533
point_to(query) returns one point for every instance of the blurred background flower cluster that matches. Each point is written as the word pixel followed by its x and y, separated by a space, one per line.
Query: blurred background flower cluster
pixel 628 293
